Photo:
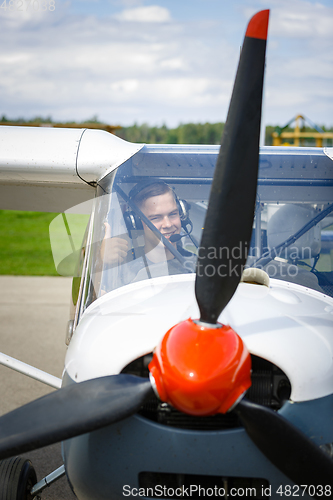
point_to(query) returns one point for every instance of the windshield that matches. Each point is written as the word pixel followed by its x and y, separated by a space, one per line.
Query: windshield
pixel 150 213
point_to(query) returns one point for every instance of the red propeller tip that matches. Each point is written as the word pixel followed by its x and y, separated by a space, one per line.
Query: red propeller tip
pixel 258 25
pixel 201 370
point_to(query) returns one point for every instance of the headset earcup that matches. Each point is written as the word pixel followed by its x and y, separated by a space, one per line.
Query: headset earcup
pixel 132 221
pixel 184 209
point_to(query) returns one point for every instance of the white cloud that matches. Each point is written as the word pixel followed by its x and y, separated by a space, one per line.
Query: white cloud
pixel 308 67
pixel 301 19
pixel 74 67
pixel 125 86
pixel 15 17
pixel 173 63
pixel 11 60
pixel 149 14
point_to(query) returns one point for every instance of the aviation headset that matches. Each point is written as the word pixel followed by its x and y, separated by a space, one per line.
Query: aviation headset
pixel 133 221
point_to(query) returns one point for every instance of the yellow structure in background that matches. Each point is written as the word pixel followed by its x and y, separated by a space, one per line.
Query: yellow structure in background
pixel 280 136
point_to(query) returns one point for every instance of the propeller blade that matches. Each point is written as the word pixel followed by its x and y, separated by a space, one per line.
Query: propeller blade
pixel 229 218
pixel 223 252
pixel 291 451
pixel 71 411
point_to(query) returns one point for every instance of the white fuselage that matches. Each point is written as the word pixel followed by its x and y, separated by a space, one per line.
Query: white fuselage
pixel 285 323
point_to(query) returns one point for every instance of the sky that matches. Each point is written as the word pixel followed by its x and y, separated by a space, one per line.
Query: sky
pixel 160 61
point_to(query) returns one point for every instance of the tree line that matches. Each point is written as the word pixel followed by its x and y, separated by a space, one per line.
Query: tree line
pixel 187 133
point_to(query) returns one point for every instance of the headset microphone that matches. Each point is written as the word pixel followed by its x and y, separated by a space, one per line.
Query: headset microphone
pixel 177 237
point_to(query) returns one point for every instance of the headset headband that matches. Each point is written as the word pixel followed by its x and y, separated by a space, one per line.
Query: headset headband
pixel 140 186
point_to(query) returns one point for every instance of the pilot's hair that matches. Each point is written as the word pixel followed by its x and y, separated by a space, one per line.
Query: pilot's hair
pixel 141 192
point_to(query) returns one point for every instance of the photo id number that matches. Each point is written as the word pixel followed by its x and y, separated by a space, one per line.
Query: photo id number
pixel 24 5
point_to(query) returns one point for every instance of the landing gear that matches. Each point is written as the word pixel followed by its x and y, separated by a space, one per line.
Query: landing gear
pixel 17 477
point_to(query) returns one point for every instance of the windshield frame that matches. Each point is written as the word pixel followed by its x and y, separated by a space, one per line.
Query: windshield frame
pixel 286 175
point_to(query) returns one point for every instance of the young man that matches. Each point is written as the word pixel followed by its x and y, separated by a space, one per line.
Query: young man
pixel 158 203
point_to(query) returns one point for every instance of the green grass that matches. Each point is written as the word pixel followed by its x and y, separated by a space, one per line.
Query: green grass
pixel 25 244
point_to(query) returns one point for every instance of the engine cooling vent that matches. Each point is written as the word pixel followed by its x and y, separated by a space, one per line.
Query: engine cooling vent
pixel 270 387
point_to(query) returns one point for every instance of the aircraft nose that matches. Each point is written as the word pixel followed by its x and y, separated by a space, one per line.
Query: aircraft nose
pixel 200 369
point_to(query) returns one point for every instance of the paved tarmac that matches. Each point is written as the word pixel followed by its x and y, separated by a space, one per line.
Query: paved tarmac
pixel 33 317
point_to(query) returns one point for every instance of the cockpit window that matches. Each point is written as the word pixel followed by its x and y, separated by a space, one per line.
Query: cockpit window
pixel 150 213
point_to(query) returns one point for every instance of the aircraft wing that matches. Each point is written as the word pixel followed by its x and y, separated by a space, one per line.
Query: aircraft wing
pixel 51 169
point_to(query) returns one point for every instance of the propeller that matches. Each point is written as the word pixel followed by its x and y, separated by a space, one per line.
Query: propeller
pixel 71 411
pixel 299 458
pixel 201 367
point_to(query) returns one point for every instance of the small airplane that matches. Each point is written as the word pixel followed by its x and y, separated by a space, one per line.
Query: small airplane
pixel 200 341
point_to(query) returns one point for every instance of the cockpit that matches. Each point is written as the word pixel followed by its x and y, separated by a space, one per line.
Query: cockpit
pixel 127 241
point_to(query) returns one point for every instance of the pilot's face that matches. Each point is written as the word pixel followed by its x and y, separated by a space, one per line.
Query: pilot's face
pixel 163 212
